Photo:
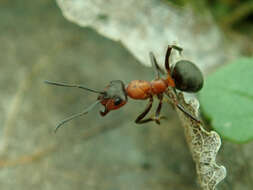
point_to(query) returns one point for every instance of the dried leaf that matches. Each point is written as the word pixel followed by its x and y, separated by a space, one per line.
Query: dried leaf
pixel 204 145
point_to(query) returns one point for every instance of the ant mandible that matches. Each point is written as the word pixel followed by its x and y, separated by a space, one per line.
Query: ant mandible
pixel 184 76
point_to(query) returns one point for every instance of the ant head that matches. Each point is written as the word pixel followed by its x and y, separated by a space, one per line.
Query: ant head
pixel 113 97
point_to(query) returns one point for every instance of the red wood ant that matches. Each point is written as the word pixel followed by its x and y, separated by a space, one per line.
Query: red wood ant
pixel 184 76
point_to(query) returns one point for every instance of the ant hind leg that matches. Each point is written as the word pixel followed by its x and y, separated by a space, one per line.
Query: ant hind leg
pixel 167 56
pixel 181 108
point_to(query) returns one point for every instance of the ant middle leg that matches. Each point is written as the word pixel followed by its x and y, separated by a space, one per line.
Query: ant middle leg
pixel 157 69
pixel 157 117
pixel 158 110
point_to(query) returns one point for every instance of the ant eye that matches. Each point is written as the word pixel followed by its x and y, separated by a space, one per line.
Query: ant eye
pixel 117 101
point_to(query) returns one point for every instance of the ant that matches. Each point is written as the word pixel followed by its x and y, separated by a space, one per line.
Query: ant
pixel 184 76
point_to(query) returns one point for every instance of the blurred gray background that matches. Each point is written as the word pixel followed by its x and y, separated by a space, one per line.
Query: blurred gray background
pixel 91 152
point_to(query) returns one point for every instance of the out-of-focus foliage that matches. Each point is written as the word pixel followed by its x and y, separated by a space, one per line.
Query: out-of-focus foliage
pixel 230 13
pixel 227 98
pixel 226 12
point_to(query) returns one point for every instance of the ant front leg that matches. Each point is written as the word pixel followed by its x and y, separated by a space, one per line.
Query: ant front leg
pixel 103 113
pixel 144 113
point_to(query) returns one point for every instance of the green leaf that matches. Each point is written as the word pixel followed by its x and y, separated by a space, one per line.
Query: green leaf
pixel 227 100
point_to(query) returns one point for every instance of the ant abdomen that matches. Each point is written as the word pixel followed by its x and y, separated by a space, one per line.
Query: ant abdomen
pixel 187 76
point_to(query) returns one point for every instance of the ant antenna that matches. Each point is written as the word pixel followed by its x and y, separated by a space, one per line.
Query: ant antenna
pixel 76 115
pixel 73 85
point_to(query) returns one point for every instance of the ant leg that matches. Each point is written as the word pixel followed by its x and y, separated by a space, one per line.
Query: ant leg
pixel 181 108
pixel 167 56
pixel 144 113
pixel 158 110
pixel 156 67
pixel 179 49
pixel 103 113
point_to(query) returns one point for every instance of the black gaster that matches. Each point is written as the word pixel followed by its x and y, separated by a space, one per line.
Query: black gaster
pixel 187 76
